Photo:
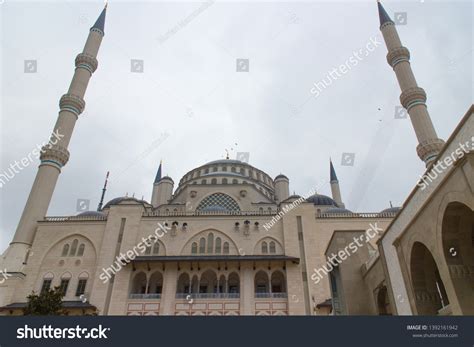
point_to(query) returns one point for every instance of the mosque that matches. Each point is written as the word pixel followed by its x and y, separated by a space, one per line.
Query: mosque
pixel 229 239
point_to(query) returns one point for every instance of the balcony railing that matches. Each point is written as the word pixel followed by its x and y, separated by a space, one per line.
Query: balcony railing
pixel 189 296
pixel 271 295
pixel 208 213
pixel 145 296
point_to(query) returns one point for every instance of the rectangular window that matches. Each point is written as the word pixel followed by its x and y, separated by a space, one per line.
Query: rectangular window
pixel 46 285
pixel 64 284
pixel 81 287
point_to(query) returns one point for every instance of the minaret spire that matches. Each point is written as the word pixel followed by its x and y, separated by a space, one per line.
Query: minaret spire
pixel 103 192
pixel 158 174
pixel 55 155
pixel 413 98
pixel 335 190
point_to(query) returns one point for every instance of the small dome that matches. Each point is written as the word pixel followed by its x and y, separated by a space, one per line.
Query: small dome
pixel 390 210
pixel 337 210
pixel 321 200
pixel 281 176
pixel 117 201
pixel 91 214
pixel 294 196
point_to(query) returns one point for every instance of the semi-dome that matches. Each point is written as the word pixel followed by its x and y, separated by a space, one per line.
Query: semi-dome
pixel 91 214
pixel 337 210
pixel 321 200
pixel 119 200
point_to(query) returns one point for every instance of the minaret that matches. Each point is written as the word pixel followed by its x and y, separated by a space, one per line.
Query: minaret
pixel 55 155
pixel 413 98
pixel 162 189
pixel 336 192
pixel 101 202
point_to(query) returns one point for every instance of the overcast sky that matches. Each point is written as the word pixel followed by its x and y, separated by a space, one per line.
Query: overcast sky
pixel 190 104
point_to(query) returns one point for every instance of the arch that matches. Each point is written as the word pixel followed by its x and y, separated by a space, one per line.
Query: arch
pixel 458 248
pixel 72 252
pixel 208 282
pixel 224 181
pixel 272 247
pixel 155 285
pixel 202 245
pixel 261 282
pixel 194 285
pixel 203 181
pixel 234 181
pixel 268 240
pixel 83 275
pixel 194 248
pixel 218 245
pixel 183 283
pixel 264 247
pixel 187 247
pixel 66 275
pixel 80 250
pixel 383 302
pixel 278 283
pixel 139 283
pixel 214 181
pixel 65 250
pixel 225 248
pixel 233 169
pixel 222 284
pixel 218 201
pixel 210 243
pixel 156 248
pixel 233 283
pixel 429 290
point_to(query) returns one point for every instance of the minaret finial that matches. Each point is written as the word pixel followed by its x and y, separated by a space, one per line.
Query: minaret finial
pixel 101 202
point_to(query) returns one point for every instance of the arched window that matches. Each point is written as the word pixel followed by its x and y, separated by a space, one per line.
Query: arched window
pixel 65 250
pixel 202 245
pixel 261 209
pixel 210 243
pixel 234 181
pixel 218 245
pixel 203 182
pixel 242 171
pixel 224 168
pixel 148 250
pixel 206 171
pixel 272 247
pixel 214 169
pixel 226 248
pixel 218 201
pixel 156 248
pixel 264 247
pixel 232 169
pixel 80 251
pixel 194 248
pixel 224 181
pixel 72 253
pixel 214 181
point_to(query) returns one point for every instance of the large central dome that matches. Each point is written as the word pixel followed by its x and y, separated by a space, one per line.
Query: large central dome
pixel 228 171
